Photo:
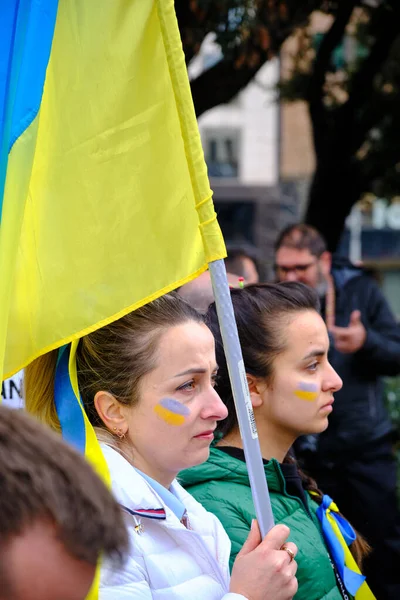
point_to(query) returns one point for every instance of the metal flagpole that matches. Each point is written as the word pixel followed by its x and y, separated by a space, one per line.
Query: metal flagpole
pixel 241 395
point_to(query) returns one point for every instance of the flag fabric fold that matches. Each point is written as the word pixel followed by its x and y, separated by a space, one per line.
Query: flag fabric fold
pixel 114 208
pixel 26 34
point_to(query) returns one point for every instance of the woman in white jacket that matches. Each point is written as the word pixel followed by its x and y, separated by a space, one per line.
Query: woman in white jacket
pixel 147 384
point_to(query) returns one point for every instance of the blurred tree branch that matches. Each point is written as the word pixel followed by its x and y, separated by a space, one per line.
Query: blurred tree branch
pixel 353 102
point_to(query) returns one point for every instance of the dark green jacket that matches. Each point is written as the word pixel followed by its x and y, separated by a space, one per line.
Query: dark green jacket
pixel 222 486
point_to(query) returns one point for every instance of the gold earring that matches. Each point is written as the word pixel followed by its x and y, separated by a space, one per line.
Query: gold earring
pixel 120 434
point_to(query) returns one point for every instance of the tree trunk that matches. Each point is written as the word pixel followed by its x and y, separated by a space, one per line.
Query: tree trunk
pixel 336 187
pixel 338 183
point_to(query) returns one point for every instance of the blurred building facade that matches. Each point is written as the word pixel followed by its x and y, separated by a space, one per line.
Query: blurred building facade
pixel 260 158
pixel 242 147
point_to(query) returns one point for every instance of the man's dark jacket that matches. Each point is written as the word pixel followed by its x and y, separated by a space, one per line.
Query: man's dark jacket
pixel 359 416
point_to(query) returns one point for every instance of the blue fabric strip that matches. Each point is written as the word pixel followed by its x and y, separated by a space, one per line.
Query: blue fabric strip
pixel 26 35
pixel 351 580
pixel 68 410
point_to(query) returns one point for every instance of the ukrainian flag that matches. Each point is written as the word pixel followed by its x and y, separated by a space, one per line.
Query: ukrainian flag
pixel 104 197
pixel 106 203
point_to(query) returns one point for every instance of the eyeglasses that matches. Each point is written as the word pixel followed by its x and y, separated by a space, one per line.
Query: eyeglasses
pixel 284 270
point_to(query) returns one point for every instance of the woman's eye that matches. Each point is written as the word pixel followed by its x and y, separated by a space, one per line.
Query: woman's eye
pixel 313 367
pixel 189 385
pixel 214 380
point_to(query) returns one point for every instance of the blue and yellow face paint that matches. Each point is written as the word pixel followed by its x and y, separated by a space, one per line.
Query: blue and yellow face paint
pixel 171 411
pixel 307 391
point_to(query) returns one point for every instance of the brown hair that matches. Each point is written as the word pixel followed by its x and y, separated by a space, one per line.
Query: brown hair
pixel 41 477
pixel 261 312
pixel 302 237
pixel 112 359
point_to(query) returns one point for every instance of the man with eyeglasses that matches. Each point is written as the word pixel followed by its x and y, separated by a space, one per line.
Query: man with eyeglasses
pixel 353 460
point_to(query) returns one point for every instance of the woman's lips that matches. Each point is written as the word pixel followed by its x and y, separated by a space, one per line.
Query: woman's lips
pixel 206 435
pixel 328 405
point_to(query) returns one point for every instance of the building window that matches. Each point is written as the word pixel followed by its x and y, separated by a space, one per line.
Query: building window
pixel 221 150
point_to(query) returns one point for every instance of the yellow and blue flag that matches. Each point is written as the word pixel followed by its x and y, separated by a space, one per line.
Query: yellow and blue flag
pixel 339 535
pixel 105 202
pixel 105 197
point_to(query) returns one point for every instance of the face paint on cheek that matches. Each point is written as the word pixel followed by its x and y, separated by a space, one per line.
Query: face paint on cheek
pixel 171 411
pixel 307 391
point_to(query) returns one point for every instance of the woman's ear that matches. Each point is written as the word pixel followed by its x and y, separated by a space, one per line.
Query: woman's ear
pixel 255 389
pixel 110 412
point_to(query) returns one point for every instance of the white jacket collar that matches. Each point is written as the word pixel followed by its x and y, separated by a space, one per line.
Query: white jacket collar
pixel 130 489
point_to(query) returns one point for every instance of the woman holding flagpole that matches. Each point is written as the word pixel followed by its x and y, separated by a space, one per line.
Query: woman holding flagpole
pixel 285 350
pixel 147 383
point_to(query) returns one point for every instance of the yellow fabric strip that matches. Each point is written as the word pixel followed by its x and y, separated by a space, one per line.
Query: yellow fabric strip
pixel 364 592
pixel 94 590
pixel 92 451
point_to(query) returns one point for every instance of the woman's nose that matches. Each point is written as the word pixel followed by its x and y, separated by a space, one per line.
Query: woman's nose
pixel 215 408
pixel 333 381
